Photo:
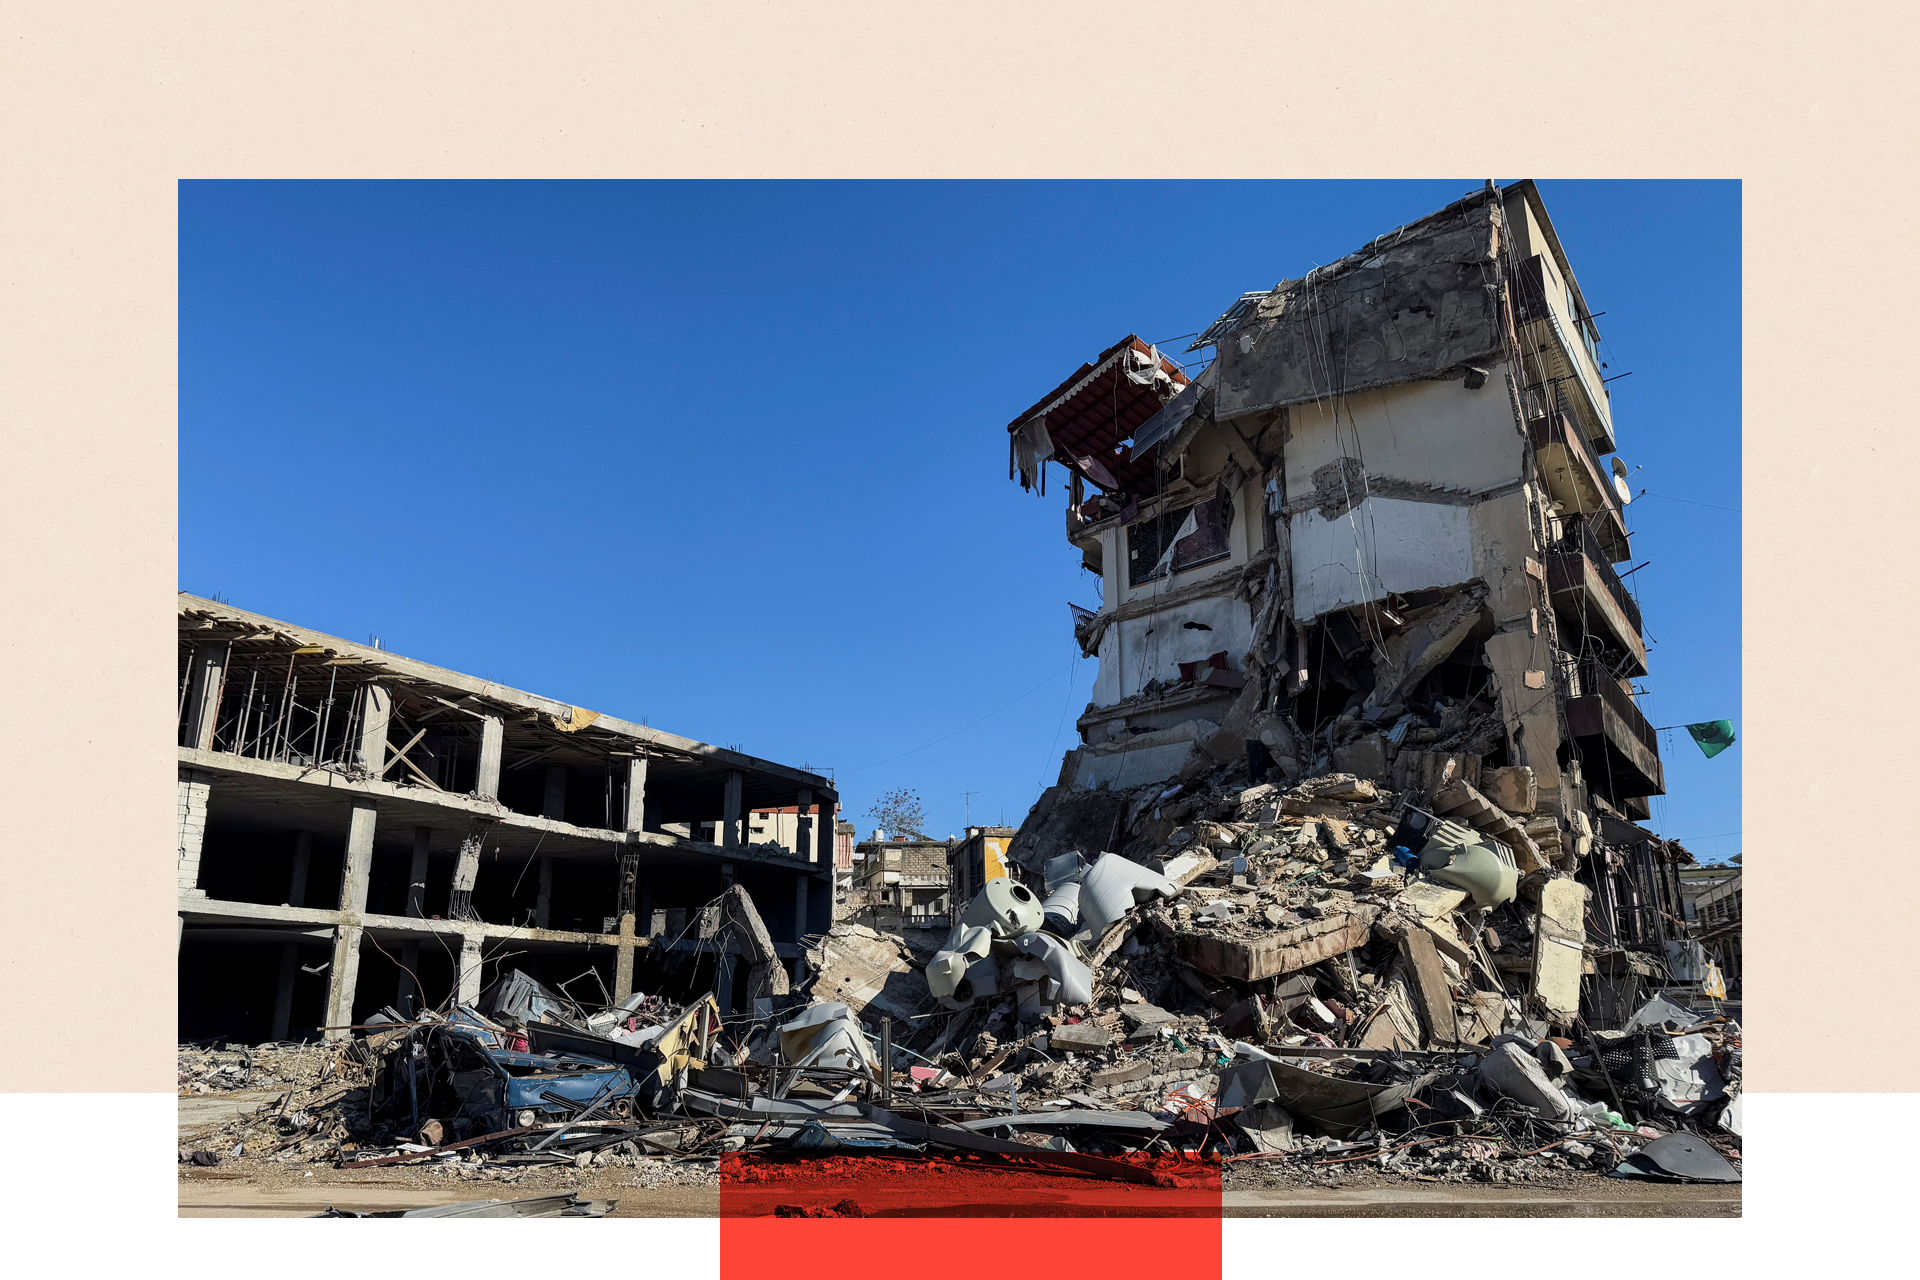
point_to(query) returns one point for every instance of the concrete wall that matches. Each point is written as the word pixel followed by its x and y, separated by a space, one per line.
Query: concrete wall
pixel 1421 433
pixel 770 826
pixel 1380 547
pixel 1137 651
pixel 1427 456
pixel 191 813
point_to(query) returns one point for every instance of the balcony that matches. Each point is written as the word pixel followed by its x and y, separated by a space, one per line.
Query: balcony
pixel 1548 332
pixel 1591 600
pixel 1573 477
pixel 1619 749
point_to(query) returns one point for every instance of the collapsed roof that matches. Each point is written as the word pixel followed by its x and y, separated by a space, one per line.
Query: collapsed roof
pixel 1089 423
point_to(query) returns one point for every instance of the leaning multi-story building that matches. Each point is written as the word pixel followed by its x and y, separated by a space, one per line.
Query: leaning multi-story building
pixel 1376 533
pixel 359 829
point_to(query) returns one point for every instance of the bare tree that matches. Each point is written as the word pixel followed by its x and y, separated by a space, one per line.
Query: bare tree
pixel 900 813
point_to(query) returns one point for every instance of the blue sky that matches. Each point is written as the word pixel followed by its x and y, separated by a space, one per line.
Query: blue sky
pixel 730 458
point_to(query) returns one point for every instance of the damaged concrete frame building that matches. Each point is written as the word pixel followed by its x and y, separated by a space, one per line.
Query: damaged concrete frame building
pixel 351 820
pixel 1375 534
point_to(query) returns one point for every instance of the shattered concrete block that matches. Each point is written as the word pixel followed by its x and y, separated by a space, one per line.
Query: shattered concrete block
pixel 1254 799
pixel 1365 756
pixel 1137 1016
pixel 1512 788
pixel 1544 831
pixel 1251 959
pixel 1431 899
pixel 1139 1069
pixel 1430 986
pixel 1559 948
pixel 1484 1023
pixel 1081 1037
pixel 1351 791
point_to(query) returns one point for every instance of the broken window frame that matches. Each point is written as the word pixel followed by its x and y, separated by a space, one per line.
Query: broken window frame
pixel 1192 551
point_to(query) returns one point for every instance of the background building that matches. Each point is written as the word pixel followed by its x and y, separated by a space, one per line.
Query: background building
pixel 1719 925
pixel 358 829
pixel 901 884
pixel 981 857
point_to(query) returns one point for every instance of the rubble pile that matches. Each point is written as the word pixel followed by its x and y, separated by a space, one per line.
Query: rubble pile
pixel 1310 975
pixel 225 1068
pixel 525 1080
pixel 1291 981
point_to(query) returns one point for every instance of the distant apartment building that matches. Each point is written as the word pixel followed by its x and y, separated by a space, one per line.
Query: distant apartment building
pixel 1719 912
pixel 980 857
pixel 785 829
pixel 900 883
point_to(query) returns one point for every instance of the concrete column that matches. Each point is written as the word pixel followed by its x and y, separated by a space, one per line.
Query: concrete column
pixel 799 974
pixel 208 677
pixel 283 994
pixel 359 863
pixel 492 736
pixel 407 1003
pixel 376 705
pixel 636 793
pixel 555 804
pixel 803 824
pixel 469 985
pixel 417 873
pixel 800 904
pixel 195 788
pixel 542 906
pixel 290 951
pixel 730 818
pixel 623 965
pixel 302 860
pixel 342 976
pixel 1525 681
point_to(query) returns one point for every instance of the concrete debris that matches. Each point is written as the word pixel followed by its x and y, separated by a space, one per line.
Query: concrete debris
pixel 564 1206
pixel 1319 969
pixel 458 1088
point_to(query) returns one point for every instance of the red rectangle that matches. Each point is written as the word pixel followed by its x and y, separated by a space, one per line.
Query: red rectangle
pixel 834 1249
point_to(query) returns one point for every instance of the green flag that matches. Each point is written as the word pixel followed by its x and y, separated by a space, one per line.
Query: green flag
pixel 1714 736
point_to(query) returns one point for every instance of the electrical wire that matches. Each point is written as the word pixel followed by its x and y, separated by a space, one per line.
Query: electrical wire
pixel 963 728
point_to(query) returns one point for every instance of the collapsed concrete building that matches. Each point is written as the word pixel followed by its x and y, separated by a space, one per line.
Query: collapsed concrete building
pixel 359 829
pixel 1374 536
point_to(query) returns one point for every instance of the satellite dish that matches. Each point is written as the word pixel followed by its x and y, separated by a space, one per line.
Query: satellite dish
pixel 1620 481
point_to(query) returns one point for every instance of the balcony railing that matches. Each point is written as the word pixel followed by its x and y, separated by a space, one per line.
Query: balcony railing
pixel 1590 678
pixel 1573 475
pixel 1579 540
pixel 1572 358
pixel 1622 751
